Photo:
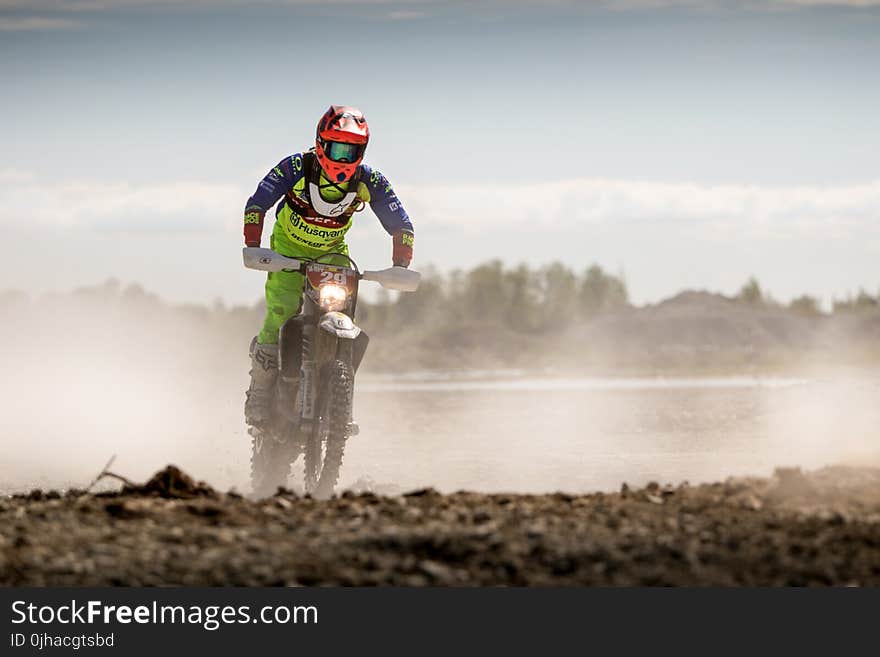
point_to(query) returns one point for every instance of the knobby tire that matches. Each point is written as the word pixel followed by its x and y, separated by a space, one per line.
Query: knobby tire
pixel 331 429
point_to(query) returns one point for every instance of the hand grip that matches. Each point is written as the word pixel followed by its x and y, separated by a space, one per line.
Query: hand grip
pixel 395 278
pixel 267 260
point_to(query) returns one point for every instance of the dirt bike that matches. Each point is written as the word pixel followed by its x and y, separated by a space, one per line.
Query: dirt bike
pixel 320 349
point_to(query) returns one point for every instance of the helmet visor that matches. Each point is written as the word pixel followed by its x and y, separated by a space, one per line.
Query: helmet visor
pixel 341 152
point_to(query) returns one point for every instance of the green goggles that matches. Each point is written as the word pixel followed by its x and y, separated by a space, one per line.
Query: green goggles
pixel 341 152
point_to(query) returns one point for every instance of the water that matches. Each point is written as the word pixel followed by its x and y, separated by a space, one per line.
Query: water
pixel 533 435
pixel 485 431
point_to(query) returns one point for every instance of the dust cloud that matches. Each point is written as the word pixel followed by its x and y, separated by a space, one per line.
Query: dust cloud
pixel 113 370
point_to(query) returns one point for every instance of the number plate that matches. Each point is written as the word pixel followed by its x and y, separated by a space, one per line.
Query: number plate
pixel 320 274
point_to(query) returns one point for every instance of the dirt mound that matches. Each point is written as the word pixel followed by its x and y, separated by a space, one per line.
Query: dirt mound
pixel 796 528
pixel 697 331
pixel 172 483
pixel 704 321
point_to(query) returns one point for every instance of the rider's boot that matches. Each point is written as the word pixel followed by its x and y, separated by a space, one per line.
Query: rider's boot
pixel 260 395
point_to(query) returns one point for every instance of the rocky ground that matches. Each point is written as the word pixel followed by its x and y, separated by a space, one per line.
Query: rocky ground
pixel 820 528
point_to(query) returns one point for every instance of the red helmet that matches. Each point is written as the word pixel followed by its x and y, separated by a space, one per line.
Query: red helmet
pixel 341 140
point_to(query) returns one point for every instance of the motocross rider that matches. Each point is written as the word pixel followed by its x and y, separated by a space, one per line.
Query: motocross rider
pixel 318 192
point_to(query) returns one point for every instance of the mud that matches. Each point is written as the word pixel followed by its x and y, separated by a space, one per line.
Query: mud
pixel 820 528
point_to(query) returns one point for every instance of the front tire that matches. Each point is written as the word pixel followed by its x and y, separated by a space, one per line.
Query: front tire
pixel 325 447
pixel 270 464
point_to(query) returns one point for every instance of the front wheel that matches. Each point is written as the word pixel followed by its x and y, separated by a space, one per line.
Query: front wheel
pixel 324 448
pixel 270 464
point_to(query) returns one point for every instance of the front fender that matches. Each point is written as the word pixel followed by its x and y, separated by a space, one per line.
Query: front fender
pixel 340 325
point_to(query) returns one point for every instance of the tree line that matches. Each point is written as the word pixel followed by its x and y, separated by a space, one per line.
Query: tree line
pixel 751 293
pixel 524 299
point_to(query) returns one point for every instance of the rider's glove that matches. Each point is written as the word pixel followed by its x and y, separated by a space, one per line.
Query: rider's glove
pixel 253 226
pixel 403 248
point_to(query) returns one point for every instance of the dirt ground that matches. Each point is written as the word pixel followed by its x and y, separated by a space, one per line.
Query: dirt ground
pixel 820 528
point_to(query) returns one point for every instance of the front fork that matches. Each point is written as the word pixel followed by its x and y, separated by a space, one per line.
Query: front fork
pixel 320 346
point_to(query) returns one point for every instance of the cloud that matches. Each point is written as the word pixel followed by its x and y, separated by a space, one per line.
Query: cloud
pixel 406 9
pixel 88 5
pixel 119 207
pixel 709 212
pixel 107 5
pixel 33 23
pixel 406 15
pixel 14 177
pixel 827 3
pixel 667 236
pixel 634 5
pixel 719 211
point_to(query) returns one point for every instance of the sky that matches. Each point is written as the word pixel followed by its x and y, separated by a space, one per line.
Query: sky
pixel 682 144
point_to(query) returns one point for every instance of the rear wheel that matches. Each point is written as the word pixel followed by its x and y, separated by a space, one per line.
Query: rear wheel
pixel 325 447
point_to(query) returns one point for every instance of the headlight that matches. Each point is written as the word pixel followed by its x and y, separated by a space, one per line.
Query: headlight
pixel 332 297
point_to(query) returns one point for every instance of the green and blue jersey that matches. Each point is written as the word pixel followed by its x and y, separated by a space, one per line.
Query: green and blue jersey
pixel 300 219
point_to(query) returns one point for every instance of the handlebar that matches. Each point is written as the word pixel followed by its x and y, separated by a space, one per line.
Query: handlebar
pixel 393 278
